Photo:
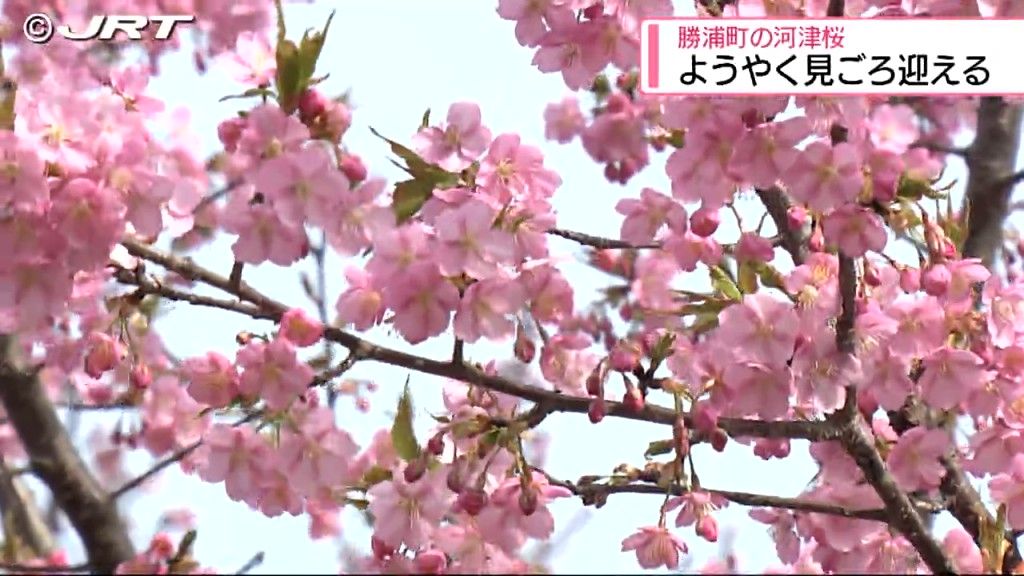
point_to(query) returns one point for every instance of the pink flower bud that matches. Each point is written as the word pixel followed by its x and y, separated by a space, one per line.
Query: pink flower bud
pixel 753 247
pixel 633 399
pixel 381 550
pixel 104 354
pixel 523 347
pixel 528 501
pixel 597 410
pixel 936 280
pixel 910 279
pixel 415 470
pixel 624 357
pixel 140 377
pixel 300 328
pixel 707 528
pixel 436 444
pixel 817 241
pixel 353 168
pixel 719 439
pixel 336 120
pixel 611 172
pixel 595 11
pixel 456 478
pixel 796 217
pixel 311 104
pixel 229 132
pixel 431 561
pixel 627 169
pixel 472 500
pixel 704 222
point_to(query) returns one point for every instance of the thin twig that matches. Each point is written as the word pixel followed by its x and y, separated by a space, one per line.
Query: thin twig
pixel 253 562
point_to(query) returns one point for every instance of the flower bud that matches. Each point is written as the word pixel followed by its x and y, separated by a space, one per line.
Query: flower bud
pixel 431 561
pixel 436 444
pixel 910 279
pixel 528 501
pixel 707 528
pixel 104 354
pixel 633 398
pixel 871 275
pixel 719 439
pixel 456 478
pixel 311 105
pixel 817 241
pixel 140 377
pixel 704 222
pixel 415 469
pixel 796 217
pixel 230 132
pixel 472 500
pixel 594 11
pixel 597 410
pixel 523 347
pixel 936 280
pixel 381 550
pixel 353 168
pixel 611 172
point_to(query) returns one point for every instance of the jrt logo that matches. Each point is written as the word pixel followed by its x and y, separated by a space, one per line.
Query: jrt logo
pixel 39 28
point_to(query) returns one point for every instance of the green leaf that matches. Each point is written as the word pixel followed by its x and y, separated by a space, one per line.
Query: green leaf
pixel 657 448
pixel 309 50
pixel 416 164
pixel 747 276
pixel 375 475
pixel 426 119
pixel 409 197
pixel 250 93
pixel 288 76
pixel 280 21
pixel 724 285
pixel 402 436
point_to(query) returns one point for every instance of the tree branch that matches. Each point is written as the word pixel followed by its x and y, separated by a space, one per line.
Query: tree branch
pixel 595 494
pixel 267 308
pixel 991 160
pixel 598 242
pixel 777 203
pixel 17 500
pixel 901 510
pixel 55 460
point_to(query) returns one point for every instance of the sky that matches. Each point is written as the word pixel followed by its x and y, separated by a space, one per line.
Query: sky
pixel 399 58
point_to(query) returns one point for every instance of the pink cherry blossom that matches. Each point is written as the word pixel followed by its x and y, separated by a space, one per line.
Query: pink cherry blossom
pixel 462 141
pixel 655 546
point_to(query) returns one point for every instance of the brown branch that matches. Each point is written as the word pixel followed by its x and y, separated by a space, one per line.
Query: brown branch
pixel 902 513
pixel 777 204
pixel 467 373
pixel 57 463
pixel 595 494
pixel 848 301
pixel 600 243
pixel 836 8
pixel 27 519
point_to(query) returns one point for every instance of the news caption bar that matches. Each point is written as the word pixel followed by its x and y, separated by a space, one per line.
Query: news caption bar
pixel 878 56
